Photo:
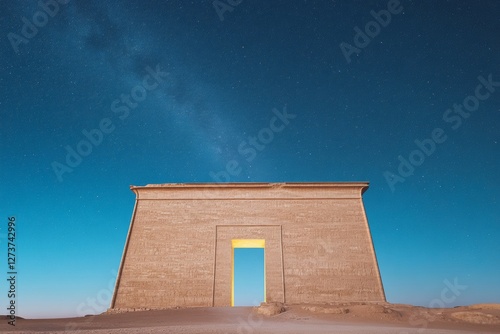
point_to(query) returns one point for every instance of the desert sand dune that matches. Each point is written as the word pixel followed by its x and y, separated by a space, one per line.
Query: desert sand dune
pixel 275 318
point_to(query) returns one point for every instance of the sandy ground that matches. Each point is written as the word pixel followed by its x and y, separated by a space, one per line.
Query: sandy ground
pixel 332 318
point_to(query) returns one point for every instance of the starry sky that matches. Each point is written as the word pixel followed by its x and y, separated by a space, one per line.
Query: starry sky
pixel 99 95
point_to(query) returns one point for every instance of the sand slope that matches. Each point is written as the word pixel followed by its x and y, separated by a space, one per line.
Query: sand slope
pixel 332 318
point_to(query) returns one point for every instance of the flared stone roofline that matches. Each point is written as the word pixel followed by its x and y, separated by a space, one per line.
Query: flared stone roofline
pixel 255 190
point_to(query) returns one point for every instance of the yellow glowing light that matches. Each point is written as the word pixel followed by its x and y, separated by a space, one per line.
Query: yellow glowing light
pixel 249 243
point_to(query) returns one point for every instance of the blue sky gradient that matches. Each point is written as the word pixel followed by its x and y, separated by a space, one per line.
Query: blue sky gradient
pixel 356 118
pixel 248 276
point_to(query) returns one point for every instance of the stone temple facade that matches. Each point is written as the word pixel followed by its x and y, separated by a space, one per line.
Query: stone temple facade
pixel 179 249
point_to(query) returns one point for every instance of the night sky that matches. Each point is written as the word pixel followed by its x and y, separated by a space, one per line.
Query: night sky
pixel 100 95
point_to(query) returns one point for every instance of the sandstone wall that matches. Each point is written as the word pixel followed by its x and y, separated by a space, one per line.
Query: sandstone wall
pixel 178 252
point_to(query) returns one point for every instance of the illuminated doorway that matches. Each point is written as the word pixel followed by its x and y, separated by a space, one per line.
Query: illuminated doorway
pixel 248 286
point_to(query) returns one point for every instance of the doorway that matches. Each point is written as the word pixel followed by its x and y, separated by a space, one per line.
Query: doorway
pixel 248 286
